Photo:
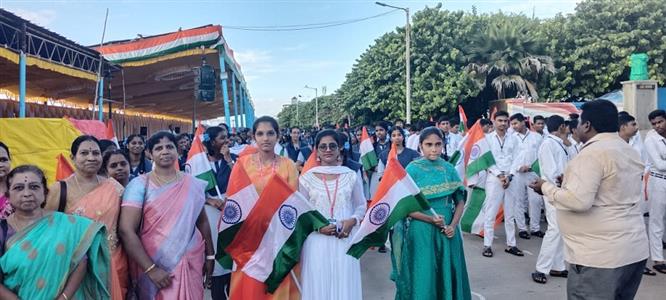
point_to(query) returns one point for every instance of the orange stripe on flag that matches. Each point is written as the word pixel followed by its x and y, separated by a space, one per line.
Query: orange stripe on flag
pixel 311 162
pixel 157 40
pixel 63 169
pixel 252 231
pixel 392 174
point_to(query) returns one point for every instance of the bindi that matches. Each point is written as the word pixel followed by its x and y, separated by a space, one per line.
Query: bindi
pixel 25 179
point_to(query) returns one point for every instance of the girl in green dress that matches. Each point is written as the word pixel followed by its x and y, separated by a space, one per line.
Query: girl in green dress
pixel 428 258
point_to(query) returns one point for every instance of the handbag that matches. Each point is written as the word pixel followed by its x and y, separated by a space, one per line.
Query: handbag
pixel 133 290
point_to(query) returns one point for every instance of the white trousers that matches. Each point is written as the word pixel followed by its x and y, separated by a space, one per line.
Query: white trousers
pixel 527 200
pixel 551 255
pixel 657 195
pixel 497 196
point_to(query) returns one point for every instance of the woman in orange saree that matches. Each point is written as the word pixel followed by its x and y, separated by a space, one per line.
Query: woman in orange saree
pixel 260 167
pixel 95 197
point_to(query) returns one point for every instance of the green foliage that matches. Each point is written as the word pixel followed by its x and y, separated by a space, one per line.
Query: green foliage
pixel 460 57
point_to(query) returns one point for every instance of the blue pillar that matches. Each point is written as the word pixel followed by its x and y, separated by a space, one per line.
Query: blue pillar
pixel 22 74
pixel 235 95
pixel 100 99
pixel 247 109
pixel 224 77
pixel 242 107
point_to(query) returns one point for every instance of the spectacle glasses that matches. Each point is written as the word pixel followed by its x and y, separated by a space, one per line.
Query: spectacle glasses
pixel 330 146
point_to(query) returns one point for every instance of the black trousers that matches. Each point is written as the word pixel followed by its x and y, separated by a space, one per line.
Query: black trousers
pixel 220 287
pixel 588 283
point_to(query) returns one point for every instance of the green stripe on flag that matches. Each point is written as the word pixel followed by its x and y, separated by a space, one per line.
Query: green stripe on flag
pixel 290 253
pixel 536 168
pixel 377 238
pixel 473 209
pixel 208 177
pixel 455 157
pixel 223 240
pixel 369 161
pixel 484 162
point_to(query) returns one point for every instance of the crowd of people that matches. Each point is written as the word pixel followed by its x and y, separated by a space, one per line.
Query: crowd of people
pixel 127 224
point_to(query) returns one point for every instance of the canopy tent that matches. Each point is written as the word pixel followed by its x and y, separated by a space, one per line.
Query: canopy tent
pixel 55 67
pixel 159 74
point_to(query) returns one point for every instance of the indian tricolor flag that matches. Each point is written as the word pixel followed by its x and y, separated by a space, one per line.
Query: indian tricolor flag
pixel 397 196
pixel 269 243
pixel 477 158
pixel 311 162
pixel 197 163
pixel 463 119
pixel 368 155
pixel 241 198
pixel 111 133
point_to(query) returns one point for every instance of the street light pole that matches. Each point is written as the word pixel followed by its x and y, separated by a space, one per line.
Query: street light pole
pixel 316 105
pixel 408 84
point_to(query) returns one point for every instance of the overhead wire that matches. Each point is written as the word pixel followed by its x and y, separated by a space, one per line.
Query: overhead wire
pixel 298 27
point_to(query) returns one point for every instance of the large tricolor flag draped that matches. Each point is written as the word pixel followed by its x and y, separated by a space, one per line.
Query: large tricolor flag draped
pixel 241 199
pixel 368 155
pixel 269 243
pixel 197 163
pixel 476 158
pixel 397 196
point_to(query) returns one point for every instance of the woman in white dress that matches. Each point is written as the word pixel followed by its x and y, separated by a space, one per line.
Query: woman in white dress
pixel 327 272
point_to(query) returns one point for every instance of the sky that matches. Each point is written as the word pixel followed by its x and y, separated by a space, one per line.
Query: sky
pixel 276 65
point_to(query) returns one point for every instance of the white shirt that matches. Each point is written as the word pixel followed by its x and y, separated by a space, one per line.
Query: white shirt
pixel 655 147
pixel 504 152
pixel 528 145
pixel 453 142
pixel 413 142
pixel 553 157
pixel 574 149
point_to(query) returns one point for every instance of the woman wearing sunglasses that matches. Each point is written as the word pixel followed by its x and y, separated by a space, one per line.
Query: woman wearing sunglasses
pixel 337 193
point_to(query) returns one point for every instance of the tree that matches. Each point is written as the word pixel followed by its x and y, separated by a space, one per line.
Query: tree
pixel 505 58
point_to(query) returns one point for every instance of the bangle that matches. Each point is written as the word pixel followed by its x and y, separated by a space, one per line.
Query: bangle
pixel 210 257
pixel 149 269
pixel 64 296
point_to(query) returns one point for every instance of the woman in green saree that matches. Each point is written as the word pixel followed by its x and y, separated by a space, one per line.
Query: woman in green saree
pixel 428 258
pixel 49 255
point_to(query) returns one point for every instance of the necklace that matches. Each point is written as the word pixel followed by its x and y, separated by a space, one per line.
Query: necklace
pixel 78 185
pixel 20 225
pixel 161 181
pixel 261 165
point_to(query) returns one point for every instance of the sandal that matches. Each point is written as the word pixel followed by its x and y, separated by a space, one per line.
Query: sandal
pixel 661 268
pixel 563 274
pixel 514 250
pixel 524 235
pixel 539 277
pixel 487 252
pixel 649 272
pixel 539 234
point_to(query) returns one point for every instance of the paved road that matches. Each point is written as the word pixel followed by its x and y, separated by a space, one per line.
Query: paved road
pixel 502 277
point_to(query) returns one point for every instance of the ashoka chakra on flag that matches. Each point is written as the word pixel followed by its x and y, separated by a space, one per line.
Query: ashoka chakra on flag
pixel 288 215
pixel 380 213
pixel 232 212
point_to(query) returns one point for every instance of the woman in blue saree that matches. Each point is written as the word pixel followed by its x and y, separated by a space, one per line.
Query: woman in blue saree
pixel 49 255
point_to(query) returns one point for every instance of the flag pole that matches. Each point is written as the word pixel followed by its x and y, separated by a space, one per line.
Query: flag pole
pixel 298 285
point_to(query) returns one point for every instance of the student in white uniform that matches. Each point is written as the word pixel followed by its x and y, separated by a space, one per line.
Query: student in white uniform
pixel 527 200
pixel 539 124
pixel 500 190
pixel 574 149
pixel 655 146
pixel 553 157
pixel 454 137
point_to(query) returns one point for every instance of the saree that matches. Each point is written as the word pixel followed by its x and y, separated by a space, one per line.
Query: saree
pixel 38 259
pixel 426 263
pixel 169 235
pixel 244 287
pixel 102 204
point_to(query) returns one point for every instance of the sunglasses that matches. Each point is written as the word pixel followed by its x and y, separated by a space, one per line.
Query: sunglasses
pixel 330 146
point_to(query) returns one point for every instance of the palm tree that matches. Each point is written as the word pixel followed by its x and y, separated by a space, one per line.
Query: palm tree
pixel 505 58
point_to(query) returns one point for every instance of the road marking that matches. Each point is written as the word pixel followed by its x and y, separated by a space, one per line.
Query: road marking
pixel 530 253
pixel 481 297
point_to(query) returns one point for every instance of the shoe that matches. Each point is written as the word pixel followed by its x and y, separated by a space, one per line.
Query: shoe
pixel 524 235
pixel 539 277
pixel 487 252
pixel 538 234
pixel 661 268
pixel 382 249
pixel 563 274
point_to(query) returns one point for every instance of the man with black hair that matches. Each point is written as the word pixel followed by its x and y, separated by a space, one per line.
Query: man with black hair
pixel 526 199
pixel 413 138
pixel 539 123
pixel 486 125
pixel 553 158
pixel 655 146
pixel 500 191
pixel 454 137
pixel 598 212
